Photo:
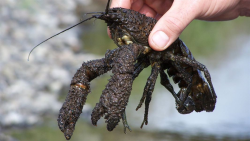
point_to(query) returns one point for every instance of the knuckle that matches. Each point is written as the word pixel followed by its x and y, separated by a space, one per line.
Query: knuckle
pixel 174 24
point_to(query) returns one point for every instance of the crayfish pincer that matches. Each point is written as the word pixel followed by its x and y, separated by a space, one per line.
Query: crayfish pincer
pixel 130 30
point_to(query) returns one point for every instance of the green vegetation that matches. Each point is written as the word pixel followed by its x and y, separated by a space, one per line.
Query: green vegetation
pixel 204 38
pixel 95 39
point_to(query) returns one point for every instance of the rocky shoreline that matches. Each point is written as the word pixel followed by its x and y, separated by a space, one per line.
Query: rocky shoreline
pixel 30 89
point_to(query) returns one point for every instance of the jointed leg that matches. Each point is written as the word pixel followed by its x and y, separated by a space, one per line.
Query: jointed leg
pixel 185 84
pixel 165 82
pixel 139 66
pixel 182 73
pixel 187 104
pixel 148 90
pixel 199 66
pixel 125 123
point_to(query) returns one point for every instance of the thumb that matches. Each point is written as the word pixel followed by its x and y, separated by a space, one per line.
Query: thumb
pixel 172 23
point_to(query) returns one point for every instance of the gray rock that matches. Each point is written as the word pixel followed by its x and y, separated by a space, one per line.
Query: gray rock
pixel 30 89
pixel 6 138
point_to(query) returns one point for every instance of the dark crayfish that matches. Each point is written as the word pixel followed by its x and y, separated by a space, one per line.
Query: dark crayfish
pixel 130 31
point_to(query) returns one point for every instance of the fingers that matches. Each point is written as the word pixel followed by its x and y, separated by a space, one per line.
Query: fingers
pixel 121 3
pixel 148 11
pixel 160 6
pixel 244 8
pixel 172 23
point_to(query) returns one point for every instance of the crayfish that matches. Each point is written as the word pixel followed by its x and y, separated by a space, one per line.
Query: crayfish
pixel 130 30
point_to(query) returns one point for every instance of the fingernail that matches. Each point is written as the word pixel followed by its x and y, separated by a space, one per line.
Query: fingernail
pixel 160 39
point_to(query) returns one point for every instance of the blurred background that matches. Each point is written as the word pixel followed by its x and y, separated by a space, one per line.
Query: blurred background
pixel 32 92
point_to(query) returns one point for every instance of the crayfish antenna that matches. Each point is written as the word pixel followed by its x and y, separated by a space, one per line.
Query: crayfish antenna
pixel 59 33
pixel 94 13
pixel 107 8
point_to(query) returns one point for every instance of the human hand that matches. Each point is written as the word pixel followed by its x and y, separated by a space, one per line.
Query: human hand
pixel 175 15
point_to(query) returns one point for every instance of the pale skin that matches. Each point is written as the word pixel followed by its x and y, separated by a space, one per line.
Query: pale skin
pixel 174 15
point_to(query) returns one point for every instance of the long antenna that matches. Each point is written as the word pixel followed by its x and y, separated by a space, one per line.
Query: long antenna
pixel 94 13
pixel 59 33
pixel 107 8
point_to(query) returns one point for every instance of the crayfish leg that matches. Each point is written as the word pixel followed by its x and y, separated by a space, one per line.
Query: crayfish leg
pixel 125 123
pixel 166 83
pixel 201 67
pixel 184 80
pixel 139 66
pixel 187 104
pixel 184 102
pixel 148 90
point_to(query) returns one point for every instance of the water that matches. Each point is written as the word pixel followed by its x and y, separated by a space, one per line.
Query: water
pixel 231 116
